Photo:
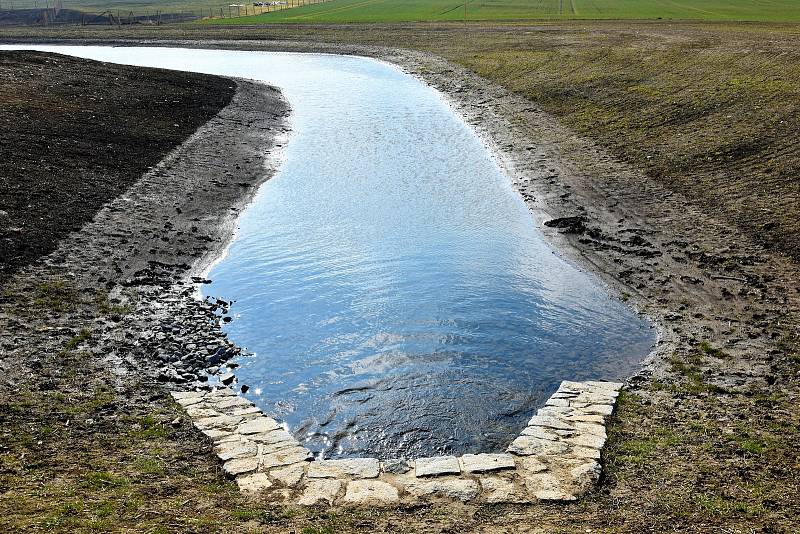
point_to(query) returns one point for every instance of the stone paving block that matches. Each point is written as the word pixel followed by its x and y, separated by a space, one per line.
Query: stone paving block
pixel 585 452
pixel 253 483
pixel 586 475
pixel 587 440
pixel 591 428
pixel 324 489
pixel 273 436
pixel 292 455
pixel 546 486
pixel 215 434
pixel 481 463
pixel 542 433
pixel 232 402
pixel 585 418
pixel 269 448
pixel 500 490
pixel 530 465
pixel 290 475
pixel 219 422
pixel 455 488
pixel 201 411
pixel 373 492
pixel 599 409
pixel 258 426
pixel 436 465
pixel 613 386
pixel 349 467
pixel 555 423
pixel 239 466
pixel 530 445
pixel 232 449
pixel 246 411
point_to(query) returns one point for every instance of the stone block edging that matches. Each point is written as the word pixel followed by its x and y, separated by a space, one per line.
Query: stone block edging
pixel 555 458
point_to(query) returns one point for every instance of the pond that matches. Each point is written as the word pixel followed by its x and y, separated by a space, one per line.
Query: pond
pixel 391 287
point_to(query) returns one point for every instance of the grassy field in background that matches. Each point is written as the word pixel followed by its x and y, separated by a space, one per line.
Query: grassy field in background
pixel 387 11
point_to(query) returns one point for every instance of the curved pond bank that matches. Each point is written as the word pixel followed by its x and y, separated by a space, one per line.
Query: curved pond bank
pixel 394 291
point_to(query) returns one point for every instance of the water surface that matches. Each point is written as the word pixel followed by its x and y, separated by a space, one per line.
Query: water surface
pixel 393 289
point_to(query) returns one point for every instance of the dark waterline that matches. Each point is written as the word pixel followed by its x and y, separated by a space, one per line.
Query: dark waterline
pixel 392 287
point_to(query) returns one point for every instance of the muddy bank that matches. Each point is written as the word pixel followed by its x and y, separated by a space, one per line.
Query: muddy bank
pixel 705 434
pixel 70 145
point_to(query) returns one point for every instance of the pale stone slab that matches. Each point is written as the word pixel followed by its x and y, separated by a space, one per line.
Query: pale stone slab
pixel 549 422
pixel 587 440
pixel 201 411
pixel 541 433
pixel 185 395
pixel 531 464
pixel 288 456
pixel 585 475
pixel 455 488
pixel 599 409
pixel 585 452
pixel 557 402
pixel 219 422
pixel 238 466
pixel 437 465
pixel 499 490
pixel 529 445
pixel 227 437
pixel 232 449
pixel 555 411
pixel 232 402
pixel 220 392
pixel 246 411
pixel 374 492
pixel 591 428
pixel 594 398
pixel 269 448
pixel 215 434
pixel 585 418
pixel 613 386
pixel 320 490
pixel 258 426
pixel 481 463
pixel 547 487
pixel 349 467
pixel 253 483
pixel 289 476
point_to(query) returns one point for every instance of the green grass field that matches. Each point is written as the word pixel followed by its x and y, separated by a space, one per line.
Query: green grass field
pixel 338 11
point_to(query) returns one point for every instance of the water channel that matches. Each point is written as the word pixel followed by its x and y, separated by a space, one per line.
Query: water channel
pixel 394 292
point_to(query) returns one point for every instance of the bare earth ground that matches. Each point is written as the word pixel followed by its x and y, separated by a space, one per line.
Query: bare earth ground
pixel 706 439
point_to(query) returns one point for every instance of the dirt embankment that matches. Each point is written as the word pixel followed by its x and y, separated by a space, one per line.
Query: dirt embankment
pixel 70 143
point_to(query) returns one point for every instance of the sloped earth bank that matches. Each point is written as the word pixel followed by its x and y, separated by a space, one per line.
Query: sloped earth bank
pixel 705 437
